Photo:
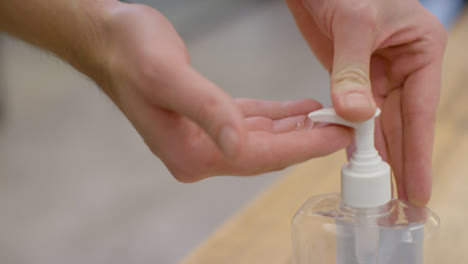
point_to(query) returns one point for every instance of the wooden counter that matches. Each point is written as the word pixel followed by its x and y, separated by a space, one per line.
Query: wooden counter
pixel 260 232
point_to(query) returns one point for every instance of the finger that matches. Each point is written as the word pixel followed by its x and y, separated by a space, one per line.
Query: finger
pixel 393 130
pixel 284 125
pixel 288 124
pixel 419 99
pixel 354 42
pixel 379 80
pixel 187 92
pixel 276 109
pixel 259 123
pixel 379 138
pixel 285 149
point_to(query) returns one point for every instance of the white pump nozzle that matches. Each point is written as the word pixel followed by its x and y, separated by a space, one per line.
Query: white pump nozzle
pixel 365 179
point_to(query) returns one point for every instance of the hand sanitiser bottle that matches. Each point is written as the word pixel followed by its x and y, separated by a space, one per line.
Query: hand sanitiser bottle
pixel 363 224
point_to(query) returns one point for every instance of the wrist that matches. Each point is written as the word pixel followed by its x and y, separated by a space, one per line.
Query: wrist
pixel 75 30
pixel 91 55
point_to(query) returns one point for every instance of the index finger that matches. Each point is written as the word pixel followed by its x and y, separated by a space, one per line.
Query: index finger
pixel 276 109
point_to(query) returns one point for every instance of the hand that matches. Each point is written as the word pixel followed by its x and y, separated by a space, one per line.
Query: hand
pixel 195 128
pixel 397 46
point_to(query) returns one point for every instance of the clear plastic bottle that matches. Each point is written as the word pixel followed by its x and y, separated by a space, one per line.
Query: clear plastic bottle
pixel 326 231
pixel 362 225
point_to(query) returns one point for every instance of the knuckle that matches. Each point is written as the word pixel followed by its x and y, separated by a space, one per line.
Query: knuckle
pixel 146 78
pixel 209 108
pixel 146 70
pixel 441 35
pixel 322 11
pixel 198 159
pixel 361 11
pixel 351 75
pixel 435 34
pixel 140 9
pixel 154 74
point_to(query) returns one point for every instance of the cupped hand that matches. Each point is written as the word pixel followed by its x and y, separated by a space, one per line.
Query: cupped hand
pixel 396 47
pixel 194 127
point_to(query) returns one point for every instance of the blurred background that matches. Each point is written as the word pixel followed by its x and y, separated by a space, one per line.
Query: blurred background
pixel 78 185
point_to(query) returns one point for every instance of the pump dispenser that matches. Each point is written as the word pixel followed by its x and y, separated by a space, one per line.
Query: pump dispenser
pixel 365 181
pixel 363 224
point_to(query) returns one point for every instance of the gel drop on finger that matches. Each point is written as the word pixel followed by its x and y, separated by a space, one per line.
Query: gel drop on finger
pixel 363 224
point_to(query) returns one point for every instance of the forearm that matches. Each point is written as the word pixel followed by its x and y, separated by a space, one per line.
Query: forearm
pixel 72 29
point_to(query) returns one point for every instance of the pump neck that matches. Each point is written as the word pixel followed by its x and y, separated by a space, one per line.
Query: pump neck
pixel 365 179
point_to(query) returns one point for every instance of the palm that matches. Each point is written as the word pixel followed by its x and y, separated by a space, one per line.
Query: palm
pixel 274 141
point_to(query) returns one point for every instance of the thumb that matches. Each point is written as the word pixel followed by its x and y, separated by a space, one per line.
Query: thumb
pixel 353 46
pixel 190 94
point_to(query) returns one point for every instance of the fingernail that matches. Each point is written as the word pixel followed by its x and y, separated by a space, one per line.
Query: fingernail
pixel 321 125
pixel 229 141
pixel 308 124
pixel 305 124
pixel 356 100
